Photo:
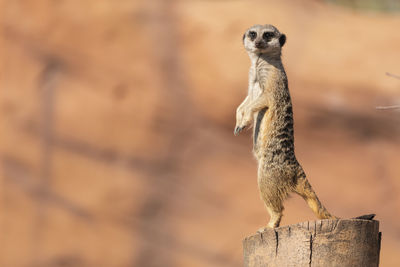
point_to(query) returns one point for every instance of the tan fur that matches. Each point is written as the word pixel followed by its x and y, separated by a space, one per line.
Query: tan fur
pixel 269 107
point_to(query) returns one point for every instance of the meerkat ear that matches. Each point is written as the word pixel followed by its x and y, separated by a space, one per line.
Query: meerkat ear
pixel 282 39
pixel 244 36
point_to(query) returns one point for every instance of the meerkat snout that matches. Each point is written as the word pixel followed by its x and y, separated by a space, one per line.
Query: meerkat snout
pixel 260 44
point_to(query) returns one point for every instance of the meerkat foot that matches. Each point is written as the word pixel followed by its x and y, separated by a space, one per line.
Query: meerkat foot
pixel 262 229
pixel 269 226
pixel 273 224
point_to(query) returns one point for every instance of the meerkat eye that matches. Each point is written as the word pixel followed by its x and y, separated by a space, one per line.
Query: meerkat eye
pixel 252 35
pixel 268 36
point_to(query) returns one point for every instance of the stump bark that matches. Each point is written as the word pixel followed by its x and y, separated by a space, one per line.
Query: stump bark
pixel 352 242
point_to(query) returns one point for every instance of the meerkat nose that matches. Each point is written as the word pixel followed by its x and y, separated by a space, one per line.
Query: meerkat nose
pixel 259 44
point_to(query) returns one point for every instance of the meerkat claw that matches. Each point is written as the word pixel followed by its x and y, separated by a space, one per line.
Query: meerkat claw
pixel 238 130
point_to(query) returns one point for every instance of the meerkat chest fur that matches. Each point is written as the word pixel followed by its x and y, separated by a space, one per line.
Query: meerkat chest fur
pixel 273 131
pixel 257 78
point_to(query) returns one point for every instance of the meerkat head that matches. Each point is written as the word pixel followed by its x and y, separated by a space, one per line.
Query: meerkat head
pixel 264 39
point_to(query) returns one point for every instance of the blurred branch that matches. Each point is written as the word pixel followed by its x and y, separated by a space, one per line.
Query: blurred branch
pixel 394 106
pixel 393 75
pixel 388 107
pixel 17 173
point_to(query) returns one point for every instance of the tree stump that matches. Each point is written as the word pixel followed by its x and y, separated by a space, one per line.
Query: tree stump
pixel 352 242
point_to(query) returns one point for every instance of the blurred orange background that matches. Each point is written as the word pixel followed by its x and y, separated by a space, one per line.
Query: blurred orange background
pixel 117 144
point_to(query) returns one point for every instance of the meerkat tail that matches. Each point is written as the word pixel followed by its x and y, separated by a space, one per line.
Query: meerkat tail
pixel 366 217
pixel 304 189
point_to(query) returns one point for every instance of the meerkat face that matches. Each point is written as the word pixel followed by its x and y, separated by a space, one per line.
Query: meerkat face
pixel 263 39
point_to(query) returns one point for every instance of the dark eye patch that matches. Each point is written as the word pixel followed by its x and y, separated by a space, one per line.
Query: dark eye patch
pixel 267 36
pixel 252 35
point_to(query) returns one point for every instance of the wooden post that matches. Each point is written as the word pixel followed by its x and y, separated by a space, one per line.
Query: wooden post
pixel 352 242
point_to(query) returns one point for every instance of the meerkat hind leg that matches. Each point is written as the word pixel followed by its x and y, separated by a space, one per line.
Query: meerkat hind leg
pixel 305 190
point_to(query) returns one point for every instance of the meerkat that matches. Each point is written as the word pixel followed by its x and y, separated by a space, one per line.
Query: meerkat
pixel 268 105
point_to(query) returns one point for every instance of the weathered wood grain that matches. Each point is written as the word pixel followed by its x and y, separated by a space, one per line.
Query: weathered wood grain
pixel 351 242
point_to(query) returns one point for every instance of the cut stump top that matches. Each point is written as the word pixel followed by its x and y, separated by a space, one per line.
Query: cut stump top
pixel 342 242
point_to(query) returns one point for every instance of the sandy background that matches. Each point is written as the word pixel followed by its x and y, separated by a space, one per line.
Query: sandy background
pixel 117 119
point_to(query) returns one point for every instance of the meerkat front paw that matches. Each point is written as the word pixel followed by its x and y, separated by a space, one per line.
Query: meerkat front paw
pixel 239 117
pixel 240 127
pixel 242 121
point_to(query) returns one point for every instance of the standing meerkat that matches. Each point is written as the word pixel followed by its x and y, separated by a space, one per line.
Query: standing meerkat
pixel 268 104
